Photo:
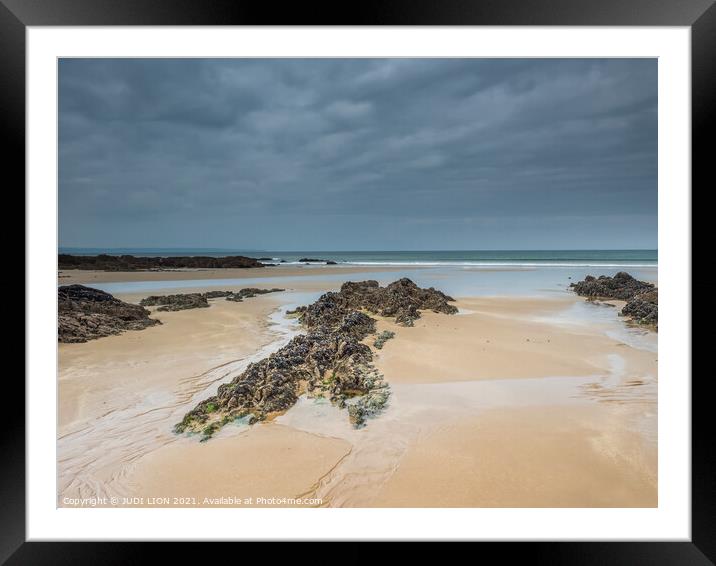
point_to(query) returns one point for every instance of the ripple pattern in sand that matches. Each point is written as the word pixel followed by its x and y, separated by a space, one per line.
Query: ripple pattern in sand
pixel 96 459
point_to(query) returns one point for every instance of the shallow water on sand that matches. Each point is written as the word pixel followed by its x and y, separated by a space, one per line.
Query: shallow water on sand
pixel 416 410
pixel 454 280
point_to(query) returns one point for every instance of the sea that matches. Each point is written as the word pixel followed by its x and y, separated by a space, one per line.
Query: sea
pixel 465 258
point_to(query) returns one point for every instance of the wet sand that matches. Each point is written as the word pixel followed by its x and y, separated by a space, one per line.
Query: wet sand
pixel 94 374
pixel 505 404
pixel 264 466
pixel 527 457
pixel 496 338
pixel 119 396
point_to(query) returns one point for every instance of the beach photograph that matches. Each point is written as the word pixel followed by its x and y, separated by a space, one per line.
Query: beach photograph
pixel 357 283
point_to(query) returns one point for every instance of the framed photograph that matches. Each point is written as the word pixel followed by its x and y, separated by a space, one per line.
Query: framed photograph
pixel 389 279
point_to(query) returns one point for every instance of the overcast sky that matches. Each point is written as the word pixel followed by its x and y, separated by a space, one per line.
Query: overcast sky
pixel 358 154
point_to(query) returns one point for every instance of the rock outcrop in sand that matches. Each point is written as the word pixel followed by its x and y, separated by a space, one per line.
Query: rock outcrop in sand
pixel 105 262
pixel 184 301
pixel 622 286
pixel 641 297
pixel 85 314
pixel 178 302
pixel 329 361
pixel 643 308
pixel 401 300
pixel 314 260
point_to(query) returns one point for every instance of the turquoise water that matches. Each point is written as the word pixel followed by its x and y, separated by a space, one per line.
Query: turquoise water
pixel 515 258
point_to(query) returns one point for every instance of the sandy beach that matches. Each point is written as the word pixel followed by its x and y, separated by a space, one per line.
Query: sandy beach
pixel 72 276
pixel 422 289
pixel 512 402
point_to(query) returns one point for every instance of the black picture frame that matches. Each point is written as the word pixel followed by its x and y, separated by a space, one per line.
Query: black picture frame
pixel 699 15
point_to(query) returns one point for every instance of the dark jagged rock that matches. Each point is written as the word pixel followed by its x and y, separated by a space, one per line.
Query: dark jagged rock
pixel 401 300
pixel 249 292
pixel 642 298
pixel 217 294
pixel 178 302
pixel 622 286
pixel 85 314
pixel 329 361
pixel 643 308
pixel 314 260
pixel 105 262
pixel 185 301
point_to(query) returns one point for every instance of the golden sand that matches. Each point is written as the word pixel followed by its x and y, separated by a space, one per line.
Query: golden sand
pixel 266 463
pixel 499 338
pixel 502 405
pixel 120 396
pixel 527 457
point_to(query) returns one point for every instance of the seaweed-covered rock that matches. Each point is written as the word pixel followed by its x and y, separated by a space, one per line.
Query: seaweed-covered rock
pixel 333 364
pixel 249 292
pixel 217 294
pixel 642 304
pixel 86 314
pixel 382 338
pixel 643 308
pixel 368 406
pixel 402 299
pixel 622 286
pixel 329 361
pixel 183 301
pixel 178 302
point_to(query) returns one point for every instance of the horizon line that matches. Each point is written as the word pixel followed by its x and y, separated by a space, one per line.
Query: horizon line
pixel 252 250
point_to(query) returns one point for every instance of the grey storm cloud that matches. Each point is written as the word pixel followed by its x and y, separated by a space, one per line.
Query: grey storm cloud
pixel 358 153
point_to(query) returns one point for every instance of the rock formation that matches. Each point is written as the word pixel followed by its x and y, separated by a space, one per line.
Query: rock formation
pixel 105 262
pixel 622 286
pixel 401 300
pixel 643 308
pixel 176 302
pixel 185 301
pixel 85 314
pixel 642 301
pixel 249 292
pixel 314 260
pixel 329 361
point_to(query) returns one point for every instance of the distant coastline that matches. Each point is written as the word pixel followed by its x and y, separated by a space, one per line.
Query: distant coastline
pixel 467 258
pixel 107 262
